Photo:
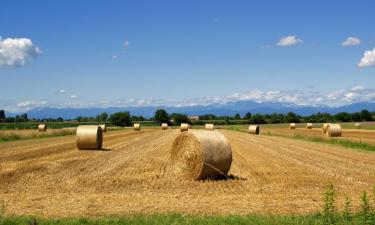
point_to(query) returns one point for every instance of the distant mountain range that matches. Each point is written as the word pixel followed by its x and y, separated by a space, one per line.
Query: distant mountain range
pixel 230 108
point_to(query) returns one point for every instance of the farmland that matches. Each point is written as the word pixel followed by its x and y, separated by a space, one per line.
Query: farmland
pixel 269 175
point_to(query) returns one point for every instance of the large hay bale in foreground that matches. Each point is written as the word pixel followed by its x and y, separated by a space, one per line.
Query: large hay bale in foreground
pixel 201 154
pixel 137 126
pixel 334 130
pixel 42 127
pixel 209 126
pixel 89 137
pixel 325 127
pixel 164 126
pixel 292 126
pixel 253 129
pixel 104 127
pixel 309 125
pixel 184 127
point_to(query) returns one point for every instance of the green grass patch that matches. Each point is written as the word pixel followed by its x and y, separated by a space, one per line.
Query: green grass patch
pixel 5 137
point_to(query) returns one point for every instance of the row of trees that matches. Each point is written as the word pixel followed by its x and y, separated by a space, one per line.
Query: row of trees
pixel 162 116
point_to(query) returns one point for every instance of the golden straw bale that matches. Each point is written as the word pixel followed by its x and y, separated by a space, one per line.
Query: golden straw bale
pixel 254 129
pixel 209 126
pixel 200 154
pixel 104 128
pixel 184 127
pixel 309 125
pixel 334 130
pixel 42 127
pixel 325 127
pixel 137 126
pixel 89 137
pixel 164 126
pixel 292 126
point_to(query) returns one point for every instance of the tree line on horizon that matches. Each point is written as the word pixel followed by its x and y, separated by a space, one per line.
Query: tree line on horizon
pixel 162 116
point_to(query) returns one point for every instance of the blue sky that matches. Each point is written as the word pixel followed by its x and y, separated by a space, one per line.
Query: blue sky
pixel 118 53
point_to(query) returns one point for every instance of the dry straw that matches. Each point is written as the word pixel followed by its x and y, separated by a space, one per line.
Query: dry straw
pixel 292 126
pixel 209 126
pixel 42 127
pixel 184 127
pixel 325 127
pixel 104 127
pixel 309 125
pixel 89 137
pixel 164 126
pixel 334 130
pixel 201 154
pixel 357 125
pixel 254 129
pixel 137 126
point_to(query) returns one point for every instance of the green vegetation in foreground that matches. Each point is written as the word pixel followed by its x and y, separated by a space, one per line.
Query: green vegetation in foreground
pixel 341 142
pixel 183 219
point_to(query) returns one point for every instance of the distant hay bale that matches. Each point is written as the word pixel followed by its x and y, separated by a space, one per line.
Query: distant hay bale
pixel 184 127
pixel 253 129
pixel 164 126
pixel 89 137
pixel 209 126
pixel 42 127
pixel 334 130
pixel 201 154
pixel 137 126
pixel 309 125
pixel 357 125
pixel 325 127
pixel 104 127
pixel 292 126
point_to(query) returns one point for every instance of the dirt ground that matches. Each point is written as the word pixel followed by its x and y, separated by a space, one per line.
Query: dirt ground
pixel 51 178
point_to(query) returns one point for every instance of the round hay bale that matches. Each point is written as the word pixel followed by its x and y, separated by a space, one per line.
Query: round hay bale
pixel 89 137
pixel 254 129
pixel 42 127
pixel 334 130
pixel 309 125
pixel 137 126
pixel 164 126
pixel 209 126
pixel 357 125
pixel 104 127
pixel 325 127
pixel 201 154
pixel 292 126
pixel 184 127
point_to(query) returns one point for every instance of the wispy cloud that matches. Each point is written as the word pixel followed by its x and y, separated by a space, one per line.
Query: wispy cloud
pixel 289 41
pixel 15 52
pixel 368 59
pixel 62 91
pixel 351 41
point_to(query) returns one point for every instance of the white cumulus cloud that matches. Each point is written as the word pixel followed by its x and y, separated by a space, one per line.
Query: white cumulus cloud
pixel 62 91
pixel 351 41
pixel 30 104
pixel 368 59
pixel 15 52
pixel 73 97
pixel 289 41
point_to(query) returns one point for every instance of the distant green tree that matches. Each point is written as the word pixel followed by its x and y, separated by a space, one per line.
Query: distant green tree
pixel 102 117
pixel 237 116
pixel 291 117
pixel 366 115
pixel 120 119
pixel 343 117
pixel 161 116
pixel 179 118
pixel 257 119
pixel 247 116
pixel 137 118
pixel 207 117
pixel 356 117
pixel 2 116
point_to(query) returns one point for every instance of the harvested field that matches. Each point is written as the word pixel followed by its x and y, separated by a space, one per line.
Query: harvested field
pixel 275 175
pixel 356 135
